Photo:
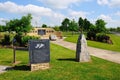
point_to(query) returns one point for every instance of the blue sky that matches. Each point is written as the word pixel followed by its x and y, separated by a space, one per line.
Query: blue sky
pixel 52 12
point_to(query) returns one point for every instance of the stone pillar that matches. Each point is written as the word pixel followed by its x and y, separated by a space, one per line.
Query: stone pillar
pixel 82 54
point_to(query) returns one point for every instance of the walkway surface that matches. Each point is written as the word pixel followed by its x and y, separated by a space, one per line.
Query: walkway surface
pixel 3 68
pixel 104 54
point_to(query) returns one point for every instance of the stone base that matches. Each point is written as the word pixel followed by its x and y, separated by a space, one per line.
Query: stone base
pixel 40 66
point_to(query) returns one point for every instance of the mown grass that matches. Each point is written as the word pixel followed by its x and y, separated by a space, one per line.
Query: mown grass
pixel 114 47
pixel 62 67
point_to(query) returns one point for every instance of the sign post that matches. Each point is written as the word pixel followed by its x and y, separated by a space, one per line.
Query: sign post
pixel 14 55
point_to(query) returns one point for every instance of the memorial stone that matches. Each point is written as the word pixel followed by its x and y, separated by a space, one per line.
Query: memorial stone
pixel 39 53
pixel 82 54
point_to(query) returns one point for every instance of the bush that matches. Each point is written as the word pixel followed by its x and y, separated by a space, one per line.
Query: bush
pixel 102 37
pixel 18 40
pixel 25 39
pixel 6 40
pixel 1 37
pixel 21 40
pixel 91 35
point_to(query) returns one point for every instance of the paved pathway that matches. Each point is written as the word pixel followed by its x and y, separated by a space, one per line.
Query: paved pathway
pixel 104 54
pixel 3 68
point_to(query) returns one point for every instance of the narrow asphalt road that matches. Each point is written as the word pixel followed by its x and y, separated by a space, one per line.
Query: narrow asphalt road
pixel 104 54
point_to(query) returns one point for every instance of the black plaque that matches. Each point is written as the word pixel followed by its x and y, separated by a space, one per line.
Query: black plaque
pixel 39 51
pixel 41 32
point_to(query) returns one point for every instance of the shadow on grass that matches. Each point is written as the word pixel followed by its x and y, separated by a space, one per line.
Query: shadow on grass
pixel 67 59
pixel 22 68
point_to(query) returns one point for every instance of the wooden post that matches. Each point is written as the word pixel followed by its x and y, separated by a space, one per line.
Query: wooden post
pixel 14 54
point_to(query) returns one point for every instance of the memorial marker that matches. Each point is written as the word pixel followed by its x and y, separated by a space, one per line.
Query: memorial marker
pixel 82 54
pixel 39 52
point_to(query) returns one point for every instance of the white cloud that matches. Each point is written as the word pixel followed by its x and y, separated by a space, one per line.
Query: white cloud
pixel 102 2
pixel 20 9
pixel 118 13
pixel 37 11
pixel 115 3
pixel 3 21
pixel 108 19
pixel 77 14
pixel 105 17
pixel 111 3
pixel 61 4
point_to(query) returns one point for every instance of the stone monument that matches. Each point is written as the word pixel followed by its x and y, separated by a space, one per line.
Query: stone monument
pixel 82 54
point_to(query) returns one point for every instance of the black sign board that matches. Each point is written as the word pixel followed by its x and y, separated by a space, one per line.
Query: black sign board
pixel 41 32
pixel 39 51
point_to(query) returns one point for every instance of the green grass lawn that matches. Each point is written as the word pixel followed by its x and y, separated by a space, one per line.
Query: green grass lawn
pixel 62 67
pixel 114 38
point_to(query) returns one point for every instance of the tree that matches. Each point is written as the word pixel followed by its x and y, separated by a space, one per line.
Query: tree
pixel 81 23
pixel 92 28
pixel 65 24
pixel 20 25
pixel 118 29
pixel 100 25
pixel 44 26
pixel 2 28
pixel 26 23
pixel 86 25
pixel 91 33
pixel 73 26
pixel 56 28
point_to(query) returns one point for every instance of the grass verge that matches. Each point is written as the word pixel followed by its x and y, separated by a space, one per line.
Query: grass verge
pixel 114 38
pixel 62 67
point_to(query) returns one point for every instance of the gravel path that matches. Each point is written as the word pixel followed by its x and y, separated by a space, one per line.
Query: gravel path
pixel 104 54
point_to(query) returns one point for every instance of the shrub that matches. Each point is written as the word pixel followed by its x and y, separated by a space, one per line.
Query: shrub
pixel 91 35
pixel 21 40
pixel 6 40
pixel 25 39
pixel 18 41
pixel 102 37
pixel 1 37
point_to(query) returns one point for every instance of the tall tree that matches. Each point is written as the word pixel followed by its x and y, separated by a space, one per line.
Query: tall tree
pixel 73 26
pixel 26 23
pixel 100 25
pixel 86 25
pixel 20 25
pixel 65 24
pixel 81 23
